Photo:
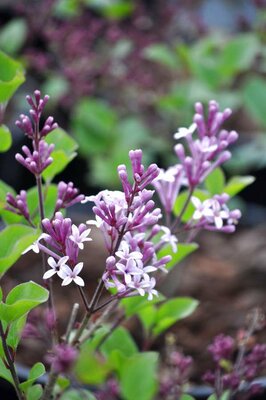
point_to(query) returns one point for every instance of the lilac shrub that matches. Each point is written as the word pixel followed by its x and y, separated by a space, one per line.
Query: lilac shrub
pixel 140 238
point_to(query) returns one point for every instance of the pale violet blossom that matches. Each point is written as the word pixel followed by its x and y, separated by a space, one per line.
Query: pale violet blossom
pixel 219 214
pixel 55 266
pixel 79 237
pixel 169 237
pixel 144 284
pixel 124 252
pixel 35 245
pixel 68 275
pixel 183 132
pixel 202 209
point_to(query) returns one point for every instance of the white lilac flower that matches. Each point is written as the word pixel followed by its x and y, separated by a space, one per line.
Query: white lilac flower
pixel 219 214
pixel 129 268
pixel 55 266
pixel 168 237
pixel 124 252
pixel 143 284
pixel 68 275
pixel 79 237
pixel 184 132
pixel 202 209
pixel 35 245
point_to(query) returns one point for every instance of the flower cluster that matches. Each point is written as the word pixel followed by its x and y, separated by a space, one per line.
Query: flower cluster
pixel 245 368
pixel 208 151
pixel 18 204
pixel 213 214
pixel 128 221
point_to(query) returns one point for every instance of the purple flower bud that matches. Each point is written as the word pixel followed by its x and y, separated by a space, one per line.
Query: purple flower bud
pixel 62 358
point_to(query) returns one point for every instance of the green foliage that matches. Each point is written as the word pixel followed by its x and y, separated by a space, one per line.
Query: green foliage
pixel 5 373
pixel 34 392
pixel 63 154
pixel 215 182
pixel 162 54
pixel 138 376
pixel 172 311
pixel 5 138
pixel 237 183
pixel 56 86
pixel 21 299
pixel 186 397
pixel 13 36
pixel 11 77
pixel 132 305
pixel 113 9
pixel 254 96
pixel 36 372
pixel 78 394
pixel 14 240
pixel 225 396
pixel 183 250
pixel 120 340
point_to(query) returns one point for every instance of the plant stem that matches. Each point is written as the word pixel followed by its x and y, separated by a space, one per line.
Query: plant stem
pixel 179 218
pixel 10 362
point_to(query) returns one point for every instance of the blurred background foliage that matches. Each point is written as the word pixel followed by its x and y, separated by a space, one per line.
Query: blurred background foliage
pixel 125 74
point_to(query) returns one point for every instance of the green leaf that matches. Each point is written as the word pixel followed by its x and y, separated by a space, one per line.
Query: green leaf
pixel 15 331
pixel 215 182
pixel 14 240
pixel 13 35
pixel 161 54
pixel 90 368
pixel 238 54
pixel 147 316
pixel 138 377
pixel 254 97
pixel 21 300
pixel 181 200
pixel 63 154
pixel 56 87
pixel 34 392
pixel 185 396
pixel 224 396
pixel 78 394
pixel 36 371
pixel 4 188
pixel 5 138
pixel 114 9
pixel 11 77
pixel 67 8
pixel 94 126
pixel 172 311
pixel 121 340
pixel 183 250
pixel 49 197
pixel 237 183
pixel 132 305
pixel 5 373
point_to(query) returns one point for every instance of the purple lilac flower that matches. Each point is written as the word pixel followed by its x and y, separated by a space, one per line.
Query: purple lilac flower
pixel 18 204
pixel 222 348
pixel 167 185
pixel 62 358
pixel 38 160
pixel 208 151
pixel 67 195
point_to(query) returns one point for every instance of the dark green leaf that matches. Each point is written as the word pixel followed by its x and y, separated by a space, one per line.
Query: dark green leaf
pixel 132 305
pixel 5 373
pixel 78 394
